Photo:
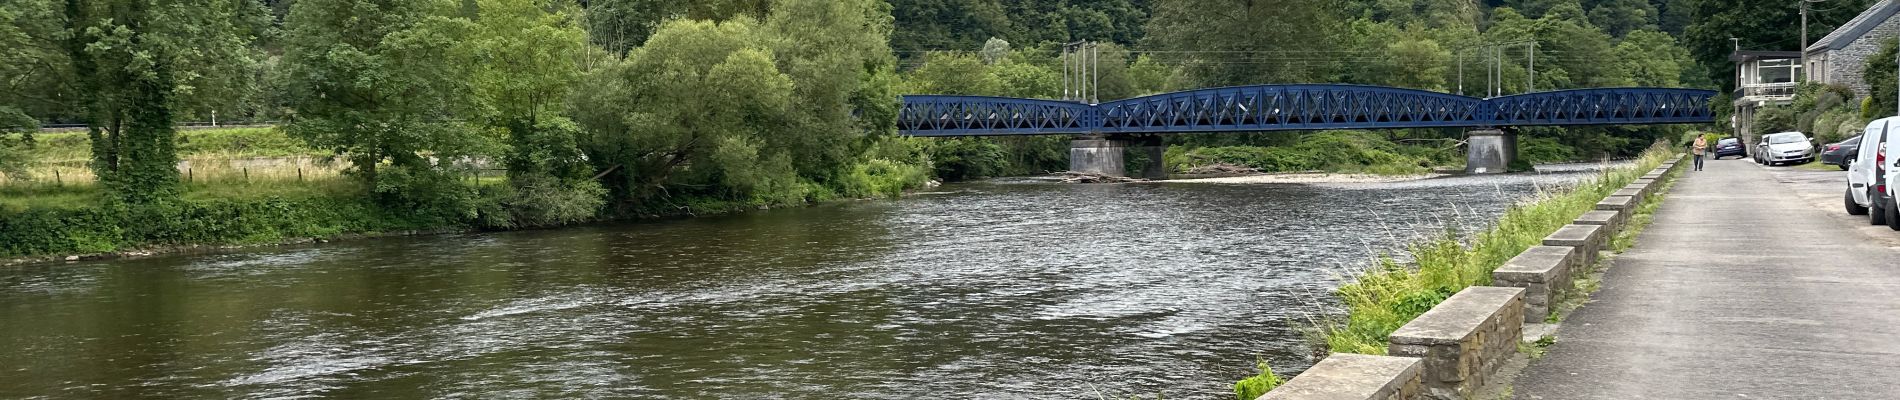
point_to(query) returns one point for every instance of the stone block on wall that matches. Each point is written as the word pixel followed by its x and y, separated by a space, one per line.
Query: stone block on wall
pixel 1463 340
pixel 1347 376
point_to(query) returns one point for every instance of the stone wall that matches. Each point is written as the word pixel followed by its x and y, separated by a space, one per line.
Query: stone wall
pixel 1463 340
pixel 1452 350
pixel 1348 376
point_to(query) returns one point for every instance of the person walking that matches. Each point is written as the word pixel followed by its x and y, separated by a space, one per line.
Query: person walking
pixel 1701 146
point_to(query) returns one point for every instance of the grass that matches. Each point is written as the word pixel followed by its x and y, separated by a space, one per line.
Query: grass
pixel 220 143
pixel 1818 166
pixel 61 159
pixel 1391 293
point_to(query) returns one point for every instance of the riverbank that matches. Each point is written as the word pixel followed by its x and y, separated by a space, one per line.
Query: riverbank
pixel 1463 338
pixel 1310 177
pixel 1392 292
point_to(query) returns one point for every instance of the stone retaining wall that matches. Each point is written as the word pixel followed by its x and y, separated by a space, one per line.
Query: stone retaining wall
pixel 1545 274
pixel 1453 349
pixel 1347 376
pixel 1463 340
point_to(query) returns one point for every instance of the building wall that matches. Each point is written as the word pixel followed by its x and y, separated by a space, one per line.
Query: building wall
pixel 1845 66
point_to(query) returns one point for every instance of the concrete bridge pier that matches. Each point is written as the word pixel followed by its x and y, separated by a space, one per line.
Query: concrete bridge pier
pixel 1106 155
pixel 1490 151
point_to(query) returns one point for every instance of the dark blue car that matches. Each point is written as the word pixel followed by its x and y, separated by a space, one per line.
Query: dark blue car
pixel 1841 154
pixel 1730 147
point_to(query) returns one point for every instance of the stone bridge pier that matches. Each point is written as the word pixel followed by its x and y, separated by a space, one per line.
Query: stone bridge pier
pixel 1107 155
pixel 1490 151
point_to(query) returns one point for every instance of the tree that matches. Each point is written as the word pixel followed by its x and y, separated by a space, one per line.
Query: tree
pixel 526 57
pixel 933 25
pixel 139 64
pixel 844 76
pixel 13 159
pixel 1224 42
pixel 1649 58
pixel 621 25
pixel 699 94
pixel 381 85
pixel 1620 17
pixel 37 66
pixel 1881 82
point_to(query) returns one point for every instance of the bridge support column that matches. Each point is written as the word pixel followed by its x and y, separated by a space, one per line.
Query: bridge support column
pixel 1097 155
pixel 1490 151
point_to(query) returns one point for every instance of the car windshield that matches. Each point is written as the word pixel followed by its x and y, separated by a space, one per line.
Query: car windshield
pixel 1725 142
pixel 1786 138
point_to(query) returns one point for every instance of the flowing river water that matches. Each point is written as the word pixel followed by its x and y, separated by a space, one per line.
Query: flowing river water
pixel 1001 289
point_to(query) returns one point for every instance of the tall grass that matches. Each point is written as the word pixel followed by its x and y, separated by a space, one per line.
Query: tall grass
pixel 1390 293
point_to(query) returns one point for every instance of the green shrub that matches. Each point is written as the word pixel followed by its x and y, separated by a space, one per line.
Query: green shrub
pixel 1542 150
pixel 1333 151
pixel 1258 385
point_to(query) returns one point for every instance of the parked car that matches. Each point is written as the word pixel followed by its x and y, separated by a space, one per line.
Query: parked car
pixel 1786 147
pixel 1841 154
pixel 1867 174
pixel 1730 147
pixel 1885 166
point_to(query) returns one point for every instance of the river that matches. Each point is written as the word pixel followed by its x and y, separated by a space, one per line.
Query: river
pixel 999 289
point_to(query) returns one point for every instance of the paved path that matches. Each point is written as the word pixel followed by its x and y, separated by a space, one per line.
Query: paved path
pixel 1743 288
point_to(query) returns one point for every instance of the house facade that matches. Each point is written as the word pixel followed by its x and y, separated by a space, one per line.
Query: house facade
pixel 1762 79
pixel 1841 56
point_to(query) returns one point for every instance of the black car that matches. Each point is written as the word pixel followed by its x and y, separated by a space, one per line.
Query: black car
pixel 1841 154
pixel 1730 147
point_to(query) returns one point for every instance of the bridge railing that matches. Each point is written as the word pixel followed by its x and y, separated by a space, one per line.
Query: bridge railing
pixel 1298 107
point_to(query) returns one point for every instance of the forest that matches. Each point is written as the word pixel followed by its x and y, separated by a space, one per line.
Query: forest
pixel 606 109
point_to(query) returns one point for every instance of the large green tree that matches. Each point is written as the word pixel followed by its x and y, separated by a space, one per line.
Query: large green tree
pixel 381 84
pixel 1232 42
pixel 140 64
pixel 769 111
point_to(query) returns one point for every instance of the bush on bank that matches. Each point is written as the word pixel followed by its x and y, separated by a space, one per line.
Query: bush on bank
pixel 1391 292
pixel 1332 151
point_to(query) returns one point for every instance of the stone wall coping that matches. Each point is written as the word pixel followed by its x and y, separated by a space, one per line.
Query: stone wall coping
pixel 1598 217
pixel 1458 317
pixel 1627 192
pixel 1573 235
pixel 1347 376
pixel 1616 203
pixel 1534 264
pixel 1644 182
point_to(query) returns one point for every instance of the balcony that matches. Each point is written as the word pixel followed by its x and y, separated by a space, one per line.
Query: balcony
pixel 1766 92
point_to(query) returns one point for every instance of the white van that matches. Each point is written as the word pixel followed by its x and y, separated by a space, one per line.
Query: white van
pixel 1867 191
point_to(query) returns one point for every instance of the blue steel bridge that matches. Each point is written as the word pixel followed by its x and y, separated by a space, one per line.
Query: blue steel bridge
pixel 1103 129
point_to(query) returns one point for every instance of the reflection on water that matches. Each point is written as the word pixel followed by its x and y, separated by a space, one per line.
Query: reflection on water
pixel 1005 289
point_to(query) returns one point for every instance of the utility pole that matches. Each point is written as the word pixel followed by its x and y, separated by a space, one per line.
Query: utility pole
pixel 1531 84
pixel 1804 41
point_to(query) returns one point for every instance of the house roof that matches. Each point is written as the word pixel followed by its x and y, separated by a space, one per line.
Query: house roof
pixel 1751 55
pixel 1855 28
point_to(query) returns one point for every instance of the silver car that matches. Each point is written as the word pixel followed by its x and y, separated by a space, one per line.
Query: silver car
pixel 1785 147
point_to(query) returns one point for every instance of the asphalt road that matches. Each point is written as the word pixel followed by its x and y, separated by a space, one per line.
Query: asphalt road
pixel 1752 283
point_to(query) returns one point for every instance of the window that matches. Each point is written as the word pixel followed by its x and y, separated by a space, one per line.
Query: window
pixel 1776 71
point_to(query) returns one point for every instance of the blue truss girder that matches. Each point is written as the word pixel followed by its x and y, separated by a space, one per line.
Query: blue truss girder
pixel 1298 107
pixel 938 115
pixel 1611 106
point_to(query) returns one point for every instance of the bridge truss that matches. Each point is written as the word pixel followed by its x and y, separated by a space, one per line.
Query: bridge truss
pixel 1298 107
